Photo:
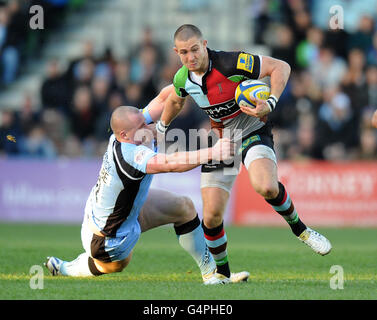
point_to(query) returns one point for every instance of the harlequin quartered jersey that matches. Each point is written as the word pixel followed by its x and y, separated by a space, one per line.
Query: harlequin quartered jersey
pixel 215 95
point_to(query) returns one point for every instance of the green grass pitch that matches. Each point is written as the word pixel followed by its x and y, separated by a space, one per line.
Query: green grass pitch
pixel 281 267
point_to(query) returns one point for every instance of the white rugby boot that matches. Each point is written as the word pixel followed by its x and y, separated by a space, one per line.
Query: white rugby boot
pixel 316 241
pixel 53 265
pixel 242 276
pixel 218 278
pixel 215 278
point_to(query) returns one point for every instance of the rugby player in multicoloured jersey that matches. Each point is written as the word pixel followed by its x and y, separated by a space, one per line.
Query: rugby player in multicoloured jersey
pixel 121 206
pixel 210 78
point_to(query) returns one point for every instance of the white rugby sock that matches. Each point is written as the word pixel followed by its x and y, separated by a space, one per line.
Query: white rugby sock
pixel 77 268
pixel 191 238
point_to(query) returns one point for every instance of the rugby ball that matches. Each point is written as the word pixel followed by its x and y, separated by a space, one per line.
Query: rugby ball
pixel 251 88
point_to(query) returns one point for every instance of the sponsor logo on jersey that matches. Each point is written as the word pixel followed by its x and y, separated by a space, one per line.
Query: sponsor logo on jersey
pixel 222 110
pixel 245 62
pixel 249 141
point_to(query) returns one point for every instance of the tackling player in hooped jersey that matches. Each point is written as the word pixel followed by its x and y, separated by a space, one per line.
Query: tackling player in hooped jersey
pixel 121 206
pixel 210 78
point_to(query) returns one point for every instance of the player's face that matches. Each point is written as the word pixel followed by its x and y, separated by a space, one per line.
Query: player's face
pixel 193 54
pixel 140 133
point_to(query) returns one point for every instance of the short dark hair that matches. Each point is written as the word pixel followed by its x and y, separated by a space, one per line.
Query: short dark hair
pixel 187 31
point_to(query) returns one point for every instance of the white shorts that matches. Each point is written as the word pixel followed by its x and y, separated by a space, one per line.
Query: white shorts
pixel 258 144
pixel 220 179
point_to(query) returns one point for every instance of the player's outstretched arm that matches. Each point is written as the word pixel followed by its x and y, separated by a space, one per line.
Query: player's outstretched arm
pixel 152 112
pixel 374 119
pixel 185 161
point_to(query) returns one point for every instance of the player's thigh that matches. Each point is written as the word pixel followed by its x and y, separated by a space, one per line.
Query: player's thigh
pixel 260 162
pixel 164 207
pixel 262 172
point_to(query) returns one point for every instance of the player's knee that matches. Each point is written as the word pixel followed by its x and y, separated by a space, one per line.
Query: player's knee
pixel 111 267
pixel 119 268
pixel 123 263
pixel 267 190
pixel 187 207
pixel 213 214
pixel 213 218
pixel 115 266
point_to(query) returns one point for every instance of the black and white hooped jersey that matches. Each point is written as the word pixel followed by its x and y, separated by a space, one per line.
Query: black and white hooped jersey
pixel 122 187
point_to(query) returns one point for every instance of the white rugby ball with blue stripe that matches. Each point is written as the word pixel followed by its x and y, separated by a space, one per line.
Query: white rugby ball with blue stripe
pixel 251 88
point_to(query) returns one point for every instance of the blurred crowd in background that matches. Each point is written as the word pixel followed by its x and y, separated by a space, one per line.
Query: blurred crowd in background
pixel 326 109
pixel 324 112
pixel 18 42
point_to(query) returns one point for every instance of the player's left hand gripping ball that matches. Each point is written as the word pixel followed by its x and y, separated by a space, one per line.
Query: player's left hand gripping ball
pixel 253 98
pixel 261 109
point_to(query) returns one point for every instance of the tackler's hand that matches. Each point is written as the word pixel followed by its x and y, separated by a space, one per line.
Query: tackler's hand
pixel 223 150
